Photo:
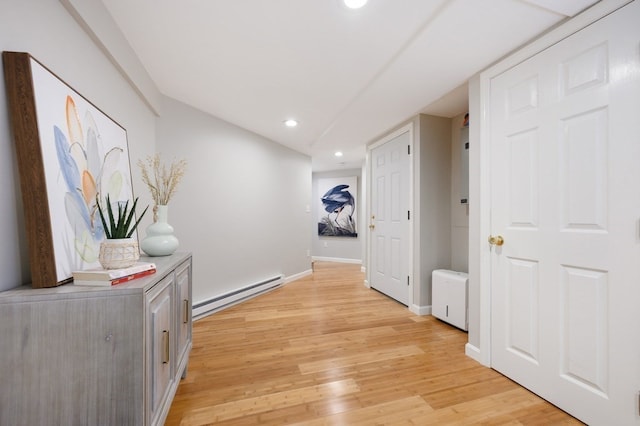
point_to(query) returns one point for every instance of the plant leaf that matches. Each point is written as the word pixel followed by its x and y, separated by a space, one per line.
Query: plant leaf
pixel 137 222
pixel 112 224
pixel 122 211
pixel 104 222
pixel 129 218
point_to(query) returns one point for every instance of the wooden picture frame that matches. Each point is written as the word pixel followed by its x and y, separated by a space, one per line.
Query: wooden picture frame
pixel 69 155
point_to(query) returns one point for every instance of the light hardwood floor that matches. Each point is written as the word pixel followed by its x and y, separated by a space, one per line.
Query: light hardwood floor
pixel 325 350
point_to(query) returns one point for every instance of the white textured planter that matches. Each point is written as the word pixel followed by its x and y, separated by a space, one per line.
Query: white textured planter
pixel 119 253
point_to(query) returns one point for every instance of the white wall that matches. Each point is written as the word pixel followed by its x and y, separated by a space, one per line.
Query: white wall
pixel 339 248
pixel 459 212
pixel 242 206
pixel 48 32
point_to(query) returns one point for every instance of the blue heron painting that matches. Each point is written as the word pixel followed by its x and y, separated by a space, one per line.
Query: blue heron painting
pixel 339 213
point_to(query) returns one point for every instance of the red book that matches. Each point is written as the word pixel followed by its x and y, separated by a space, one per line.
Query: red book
pixel 133 276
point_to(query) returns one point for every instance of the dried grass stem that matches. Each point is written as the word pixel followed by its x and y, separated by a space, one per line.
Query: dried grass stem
pixel 161 180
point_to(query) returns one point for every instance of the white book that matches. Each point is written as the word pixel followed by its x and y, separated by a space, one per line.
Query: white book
pixel 100 274
pixel 115 281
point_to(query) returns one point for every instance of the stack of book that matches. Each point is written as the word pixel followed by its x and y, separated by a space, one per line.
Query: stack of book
pixel 109 277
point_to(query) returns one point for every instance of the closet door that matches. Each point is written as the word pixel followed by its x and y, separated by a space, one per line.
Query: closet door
pixel 389 226
pixel 565 214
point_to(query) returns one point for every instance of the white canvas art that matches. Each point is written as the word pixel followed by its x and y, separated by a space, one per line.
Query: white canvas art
pixel 337 213
pixel 70 154
pixel 85 156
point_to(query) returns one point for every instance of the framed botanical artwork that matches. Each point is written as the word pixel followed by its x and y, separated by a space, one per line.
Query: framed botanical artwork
pixel 337 212
pixel 69 155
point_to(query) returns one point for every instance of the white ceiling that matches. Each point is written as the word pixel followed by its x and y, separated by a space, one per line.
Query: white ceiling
pixel 348 76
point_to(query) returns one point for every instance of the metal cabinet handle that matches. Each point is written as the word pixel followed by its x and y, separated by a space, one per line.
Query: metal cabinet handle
pixel 185 311
pixel 165 341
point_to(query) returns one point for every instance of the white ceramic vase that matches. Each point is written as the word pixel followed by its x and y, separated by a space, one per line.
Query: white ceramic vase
pixel 160 240
pixel 118 253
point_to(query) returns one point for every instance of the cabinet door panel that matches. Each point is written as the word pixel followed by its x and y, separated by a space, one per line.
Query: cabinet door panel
pixel 161 354
pixel 183 281
pixel 92 348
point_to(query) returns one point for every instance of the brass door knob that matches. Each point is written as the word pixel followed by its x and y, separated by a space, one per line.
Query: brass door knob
pixel 496 241
pixel 372 227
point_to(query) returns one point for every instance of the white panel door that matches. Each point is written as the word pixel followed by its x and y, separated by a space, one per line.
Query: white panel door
pixel 389 235
pixel 565 197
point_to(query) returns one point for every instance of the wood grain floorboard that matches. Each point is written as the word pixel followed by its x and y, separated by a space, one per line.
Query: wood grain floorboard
pixel 325 350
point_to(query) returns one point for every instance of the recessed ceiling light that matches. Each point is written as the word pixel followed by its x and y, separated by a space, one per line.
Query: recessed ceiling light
pixel 338 154
pixel 291 123
pixel 355 4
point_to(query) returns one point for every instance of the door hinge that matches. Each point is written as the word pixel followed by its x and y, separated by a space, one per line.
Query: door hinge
pixel 408 214
pixel 407 279
pixel 639 403
pixel 408 149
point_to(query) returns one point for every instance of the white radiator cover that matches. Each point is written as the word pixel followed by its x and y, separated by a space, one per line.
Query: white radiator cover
pixel 226 300
pixel 449 295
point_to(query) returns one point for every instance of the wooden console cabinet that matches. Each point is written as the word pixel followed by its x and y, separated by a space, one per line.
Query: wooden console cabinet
pixel 74 355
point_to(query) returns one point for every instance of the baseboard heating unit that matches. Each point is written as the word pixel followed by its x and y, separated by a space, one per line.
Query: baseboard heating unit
pixel 218 303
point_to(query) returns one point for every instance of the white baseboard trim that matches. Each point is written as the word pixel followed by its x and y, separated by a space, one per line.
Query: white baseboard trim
pixel 336 259
pixel 366 284
pixel 363 269
pixel 294 277
pixel 421 310
pixel 472 352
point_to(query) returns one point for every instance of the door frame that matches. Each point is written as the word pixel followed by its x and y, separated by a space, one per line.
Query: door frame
pixel 407 128
pixel 479 345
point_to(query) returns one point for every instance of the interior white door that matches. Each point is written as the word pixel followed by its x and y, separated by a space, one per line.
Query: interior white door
pixel 565 198
pixel 389 235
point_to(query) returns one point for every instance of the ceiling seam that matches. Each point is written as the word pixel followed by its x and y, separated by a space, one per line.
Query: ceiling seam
pixel 541 6
pixel 444 4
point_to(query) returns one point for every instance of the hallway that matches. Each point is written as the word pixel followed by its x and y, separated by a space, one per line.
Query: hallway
pixel 325 350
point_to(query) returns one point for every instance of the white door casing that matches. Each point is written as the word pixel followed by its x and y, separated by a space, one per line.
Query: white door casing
pixel 389 239
pixel 565 196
